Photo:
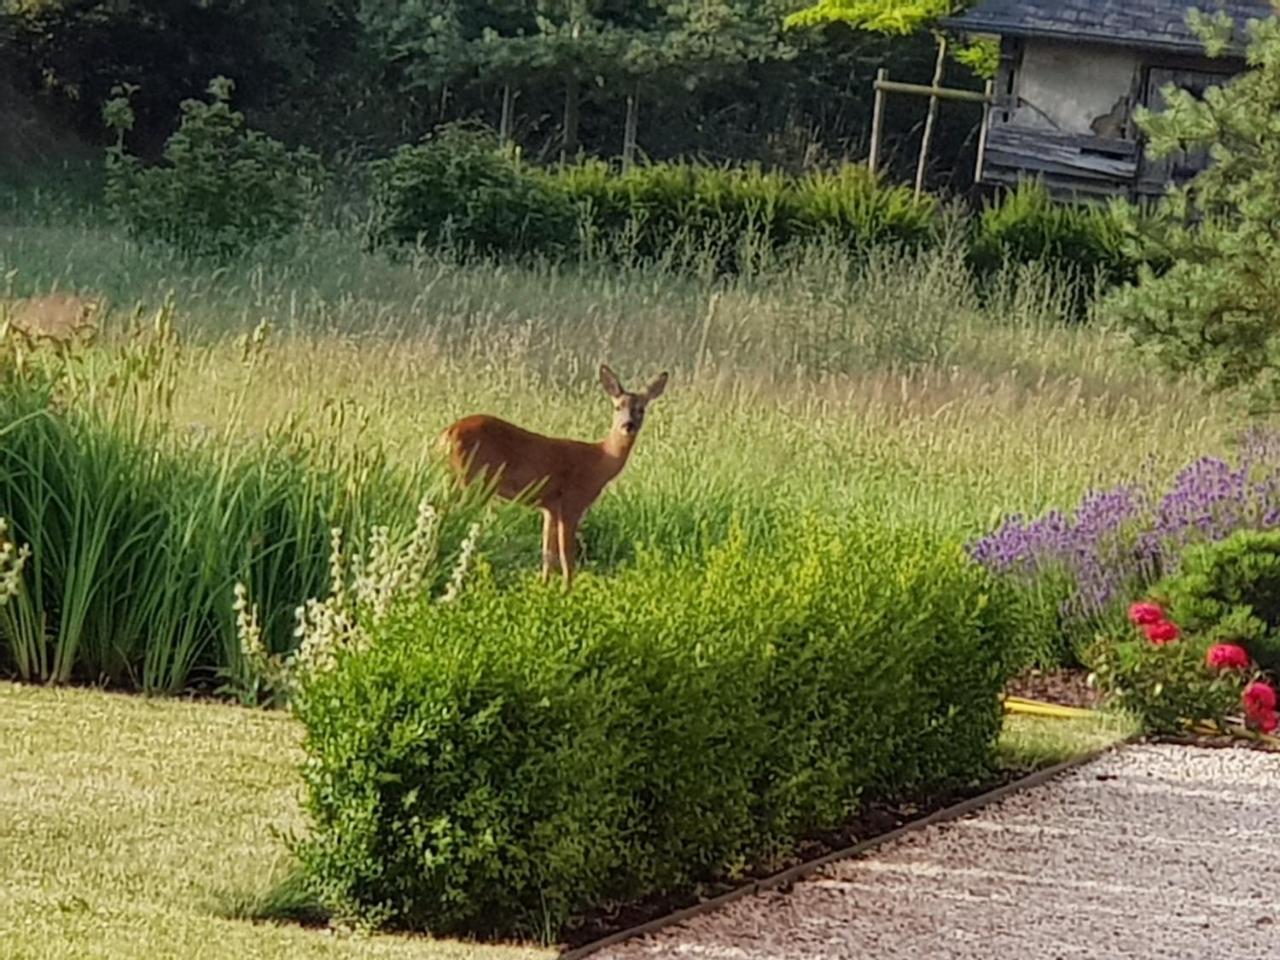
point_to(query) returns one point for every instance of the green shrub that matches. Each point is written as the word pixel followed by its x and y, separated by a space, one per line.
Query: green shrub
pixel 504 762
pixel 461 190
pixel 1031 612
pixel 220 188
pixel 735 215
pixel 1085 242
pixel 860 210
pixel 1230 592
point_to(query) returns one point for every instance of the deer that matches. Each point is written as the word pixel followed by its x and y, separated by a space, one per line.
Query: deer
pixel 562 478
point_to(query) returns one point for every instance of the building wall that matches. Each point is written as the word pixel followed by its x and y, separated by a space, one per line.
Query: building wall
pixel 1066 86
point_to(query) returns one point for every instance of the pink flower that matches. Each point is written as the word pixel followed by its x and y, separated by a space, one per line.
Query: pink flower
pixel 1142 614
pixel 1227 656
pixel 1259 699
pixel 1162 632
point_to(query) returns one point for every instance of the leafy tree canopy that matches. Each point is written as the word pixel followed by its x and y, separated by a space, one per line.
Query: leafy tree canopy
pixel 879 16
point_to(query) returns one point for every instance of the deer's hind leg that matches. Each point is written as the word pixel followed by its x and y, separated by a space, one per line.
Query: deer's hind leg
pixel 550 549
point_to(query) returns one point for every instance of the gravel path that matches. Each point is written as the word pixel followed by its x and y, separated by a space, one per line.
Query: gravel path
pixel 1160 852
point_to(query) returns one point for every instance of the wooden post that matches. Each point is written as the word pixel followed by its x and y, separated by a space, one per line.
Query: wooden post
pixel 877 121
pixel 572 96
pixel 925 141
pixel 505 121
pixel 982 132
pixel 629 131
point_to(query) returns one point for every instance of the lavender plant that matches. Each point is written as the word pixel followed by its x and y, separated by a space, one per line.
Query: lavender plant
pixel 1119 541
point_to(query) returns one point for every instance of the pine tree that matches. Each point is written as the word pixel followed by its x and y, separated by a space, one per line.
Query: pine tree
pixel 1212 306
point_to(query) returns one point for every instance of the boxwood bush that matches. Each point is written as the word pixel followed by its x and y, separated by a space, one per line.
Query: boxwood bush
pixel 1026 225
pixel 504 762
pixel 1230 592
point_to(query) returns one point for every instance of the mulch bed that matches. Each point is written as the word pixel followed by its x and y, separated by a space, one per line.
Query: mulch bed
pixel 1068 688
pixel 875 820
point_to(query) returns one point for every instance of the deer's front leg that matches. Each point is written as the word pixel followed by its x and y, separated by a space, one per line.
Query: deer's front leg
pixel 550 555
pixel 568 530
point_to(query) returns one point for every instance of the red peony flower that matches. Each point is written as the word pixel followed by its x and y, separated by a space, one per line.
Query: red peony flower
pixel 1162 632
pixel 1142 614
pixel 1259 699
pixel 1267 722
pixel 1227 656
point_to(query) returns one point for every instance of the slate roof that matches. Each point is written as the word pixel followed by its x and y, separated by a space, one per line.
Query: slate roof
pixel 1150 24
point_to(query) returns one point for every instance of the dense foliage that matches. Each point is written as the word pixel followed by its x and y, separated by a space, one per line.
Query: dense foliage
pixel 462 191
pixel 1027 225
pixel 650 209
pixel 1230 592
pixel 220 188
pixel 508 760
pixel 718 79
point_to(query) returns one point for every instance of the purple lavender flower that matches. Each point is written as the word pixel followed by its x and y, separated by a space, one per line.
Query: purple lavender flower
pixel 1117 542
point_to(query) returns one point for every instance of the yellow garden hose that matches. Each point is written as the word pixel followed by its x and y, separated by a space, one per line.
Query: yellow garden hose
pixel 1038 708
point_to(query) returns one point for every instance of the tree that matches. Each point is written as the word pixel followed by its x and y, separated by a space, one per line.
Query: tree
pixel 441 44
pixel 170 49
pixel 697 42
pixel 1213 307
pixel 898 18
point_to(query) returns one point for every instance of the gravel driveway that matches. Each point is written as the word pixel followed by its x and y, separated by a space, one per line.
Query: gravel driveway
pixel 1160 852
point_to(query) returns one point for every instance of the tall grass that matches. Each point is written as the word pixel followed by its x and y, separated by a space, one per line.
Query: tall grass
pixel 889 385
pixel 138 529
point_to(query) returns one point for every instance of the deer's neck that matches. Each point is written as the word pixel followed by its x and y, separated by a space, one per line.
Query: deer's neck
pixel 616 447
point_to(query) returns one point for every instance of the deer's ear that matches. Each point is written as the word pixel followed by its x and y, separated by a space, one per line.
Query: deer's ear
pixel 609 380
pixel 654 390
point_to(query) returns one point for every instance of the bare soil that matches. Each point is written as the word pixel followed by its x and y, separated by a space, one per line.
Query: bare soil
pixel 1070 688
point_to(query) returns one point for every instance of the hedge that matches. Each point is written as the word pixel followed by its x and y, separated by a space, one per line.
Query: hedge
pixel 506 762
pixel 460 191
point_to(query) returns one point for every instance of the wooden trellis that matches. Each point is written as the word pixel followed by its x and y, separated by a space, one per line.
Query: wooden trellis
pixel 935 93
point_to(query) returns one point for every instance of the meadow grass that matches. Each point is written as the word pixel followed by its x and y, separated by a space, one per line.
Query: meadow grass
pixel 143 827
pixel 135 826
pixel 889 385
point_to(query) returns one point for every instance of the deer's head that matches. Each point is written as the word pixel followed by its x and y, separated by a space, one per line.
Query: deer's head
pixel 629 408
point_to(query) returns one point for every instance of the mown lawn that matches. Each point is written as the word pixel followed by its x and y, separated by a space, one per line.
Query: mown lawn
pixel 1030 743
pixel 131 826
